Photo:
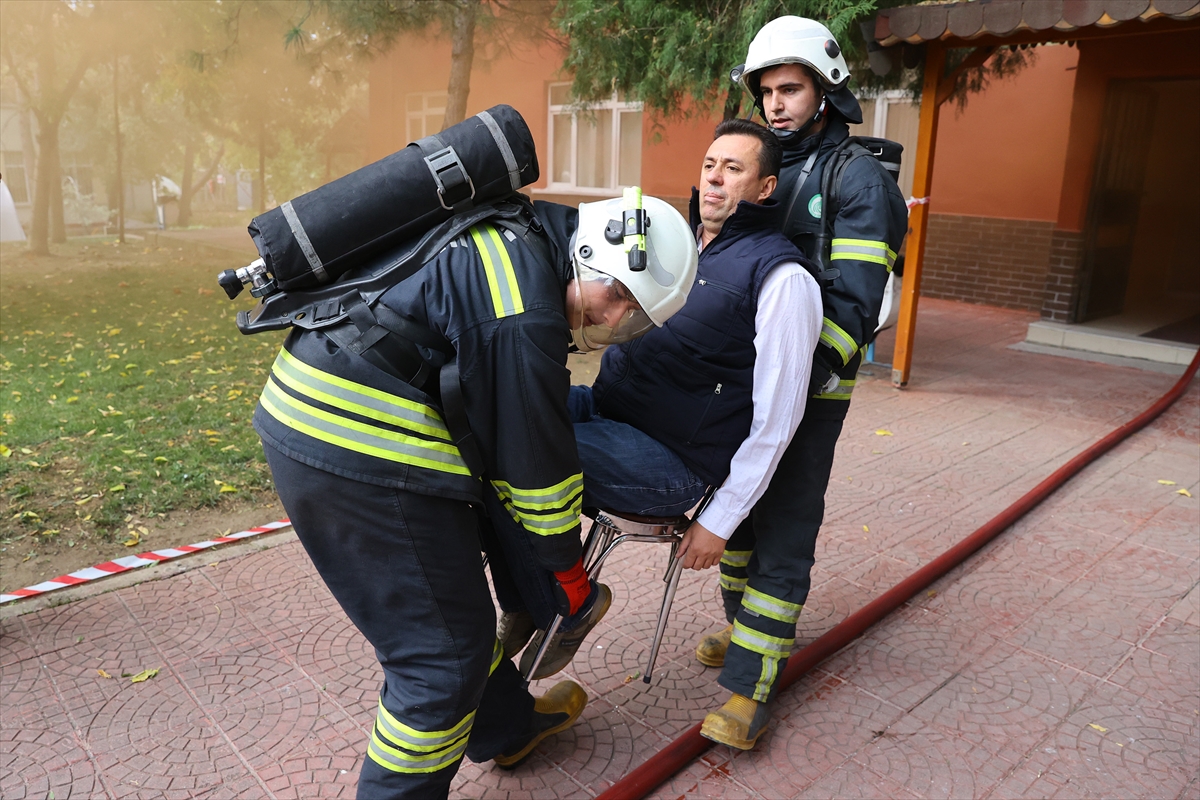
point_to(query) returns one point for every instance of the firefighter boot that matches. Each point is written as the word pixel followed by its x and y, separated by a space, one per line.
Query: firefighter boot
pixel 565 644
pixel 513 630
pixel 738 723
pixel 554 711
pixel 711 650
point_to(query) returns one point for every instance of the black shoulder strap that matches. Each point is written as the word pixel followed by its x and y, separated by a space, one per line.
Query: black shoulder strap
pixel 801 179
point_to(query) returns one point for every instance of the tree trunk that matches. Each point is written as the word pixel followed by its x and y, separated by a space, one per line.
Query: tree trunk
pixel 47 176
pixel 462 54
pixel 733 102
pixel 189 189
pixel 120 164
pixel 186 189
pixel 58 226
pixel 262 168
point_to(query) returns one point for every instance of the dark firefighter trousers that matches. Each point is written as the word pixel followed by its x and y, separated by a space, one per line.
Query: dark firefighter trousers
pixel 407 570
pixel 767 564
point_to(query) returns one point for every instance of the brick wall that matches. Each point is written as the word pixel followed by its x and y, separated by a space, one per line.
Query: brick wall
pixel 997 262
pixel 1063 277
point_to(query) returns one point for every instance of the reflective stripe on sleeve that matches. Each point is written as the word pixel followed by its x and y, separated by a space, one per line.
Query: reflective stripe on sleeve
pixel 760 643
pixel 773 607
pixel 863 250
pixel 544 512
pixel 833 335
pixel 397 760
pixel 501 278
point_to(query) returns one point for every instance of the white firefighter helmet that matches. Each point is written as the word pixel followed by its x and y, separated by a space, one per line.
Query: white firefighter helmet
pixel 795 40
pixel 606 248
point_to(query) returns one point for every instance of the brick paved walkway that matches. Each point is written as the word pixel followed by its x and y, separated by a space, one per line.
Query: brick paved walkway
pixel 1061 661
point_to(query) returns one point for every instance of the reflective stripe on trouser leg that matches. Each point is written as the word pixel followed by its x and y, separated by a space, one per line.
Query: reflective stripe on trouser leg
pixel 733 579
pixel 407 571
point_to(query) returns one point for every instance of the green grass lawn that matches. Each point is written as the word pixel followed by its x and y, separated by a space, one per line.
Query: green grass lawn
pixel 126 390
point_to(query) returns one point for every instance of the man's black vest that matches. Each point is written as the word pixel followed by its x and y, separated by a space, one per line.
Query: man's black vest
pixel 689 384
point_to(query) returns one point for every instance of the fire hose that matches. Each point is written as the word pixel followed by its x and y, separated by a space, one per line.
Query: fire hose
pixel 690 744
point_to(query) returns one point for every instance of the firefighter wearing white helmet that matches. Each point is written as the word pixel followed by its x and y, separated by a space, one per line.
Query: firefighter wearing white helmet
pixel 385 437
pixel 846 213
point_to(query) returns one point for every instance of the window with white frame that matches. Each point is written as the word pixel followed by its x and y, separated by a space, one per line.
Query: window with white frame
pixel 893 115
pixel 424 113
pixel 594 149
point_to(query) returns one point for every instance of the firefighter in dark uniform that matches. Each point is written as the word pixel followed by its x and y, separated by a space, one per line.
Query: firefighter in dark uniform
pixel 384 500
pixel 798 77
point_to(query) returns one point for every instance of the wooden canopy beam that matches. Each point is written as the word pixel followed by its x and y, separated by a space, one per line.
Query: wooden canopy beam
pixel 918 217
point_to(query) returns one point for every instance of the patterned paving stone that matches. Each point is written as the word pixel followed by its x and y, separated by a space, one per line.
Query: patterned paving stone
pixel 1007 697
pixel 341 661
pixel 38 764
pixel 1165 668
pixel 854 781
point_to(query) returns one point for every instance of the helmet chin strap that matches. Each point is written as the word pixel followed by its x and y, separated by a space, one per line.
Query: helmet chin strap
pixel 787 137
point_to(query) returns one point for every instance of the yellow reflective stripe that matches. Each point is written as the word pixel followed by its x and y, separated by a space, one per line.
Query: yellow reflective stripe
pixel 766 679
pixel 842 392
pixel 396 760
pixel 863 250
pixel 412 739
pixel 542 511
pixel 358 436
pixel 760 643
pixel 736 558
pixel 732 584
pixel 833 335
pixel 497 266
pixel 540 499
pixel 772 607
pixel 497 654
pixel 357 398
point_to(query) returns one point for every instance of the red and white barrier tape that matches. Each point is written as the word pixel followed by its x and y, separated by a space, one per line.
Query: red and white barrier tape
pixel 119 565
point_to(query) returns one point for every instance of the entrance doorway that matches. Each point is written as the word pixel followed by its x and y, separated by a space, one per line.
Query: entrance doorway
pixel 1141 268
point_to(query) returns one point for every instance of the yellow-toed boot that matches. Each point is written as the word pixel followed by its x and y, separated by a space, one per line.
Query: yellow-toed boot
pixel 711 650
pixel 554 711
pixel 738 723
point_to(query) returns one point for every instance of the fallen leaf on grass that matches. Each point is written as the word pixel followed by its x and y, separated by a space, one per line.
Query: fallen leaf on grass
pixel 1167 483
pixel 5 452
pixel 883 432
pixel 144 675
pixel 226 489
pixel 1184 492
pixel 134 539
pixel 103 674
pixel 119 487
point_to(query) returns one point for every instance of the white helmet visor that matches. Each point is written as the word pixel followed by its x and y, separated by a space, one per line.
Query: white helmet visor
pixel 608 313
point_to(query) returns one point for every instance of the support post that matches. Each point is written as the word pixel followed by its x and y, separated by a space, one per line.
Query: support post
pixel 918 217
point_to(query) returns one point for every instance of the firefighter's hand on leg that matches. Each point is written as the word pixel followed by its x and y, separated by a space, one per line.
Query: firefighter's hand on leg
pixel 572 589
pixel 701 548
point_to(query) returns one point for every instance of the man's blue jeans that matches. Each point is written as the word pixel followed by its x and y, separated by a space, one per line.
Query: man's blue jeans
pixel 624 469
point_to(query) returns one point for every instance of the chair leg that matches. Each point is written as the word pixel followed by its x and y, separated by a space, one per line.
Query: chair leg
pixel 674 570
pixel 545 645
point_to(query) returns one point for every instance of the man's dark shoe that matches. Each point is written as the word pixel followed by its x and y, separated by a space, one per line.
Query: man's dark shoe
pixel 513 630
pixel 554 711
pixel 565 644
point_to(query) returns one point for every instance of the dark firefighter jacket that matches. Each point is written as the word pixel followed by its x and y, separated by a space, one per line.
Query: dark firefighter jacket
pixel 501 307
pixel 869 224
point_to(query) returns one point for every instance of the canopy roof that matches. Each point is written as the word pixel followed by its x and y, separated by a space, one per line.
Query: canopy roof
pixel 1024 20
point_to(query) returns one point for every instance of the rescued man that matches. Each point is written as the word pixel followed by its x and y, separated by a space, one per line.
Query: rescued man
pixel 384 500
pixel 714 396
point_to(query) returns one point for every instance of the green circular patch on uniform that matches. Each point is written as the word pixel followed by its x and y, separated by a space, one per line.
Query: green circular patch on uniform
pixel 814 206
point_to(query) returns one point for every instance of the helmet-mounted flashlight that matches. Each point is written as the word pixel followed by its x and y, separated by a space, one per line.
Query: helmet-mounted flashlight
pixel 634 229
